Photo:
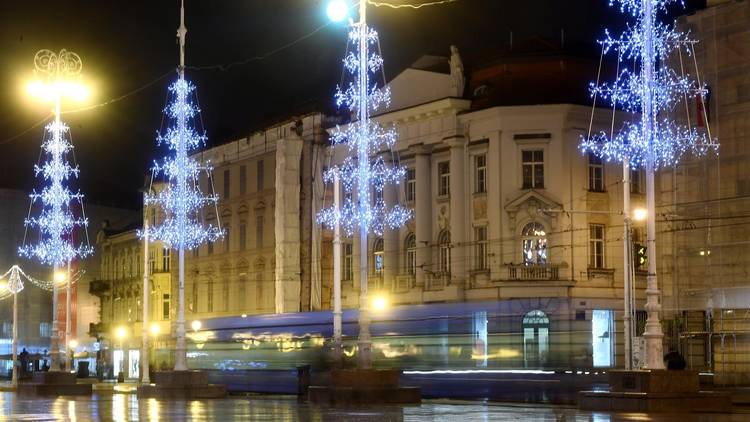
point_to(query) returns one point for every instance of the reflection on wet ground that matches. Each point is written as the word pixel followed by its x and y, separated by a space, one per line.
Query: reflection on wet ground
pixel 127 407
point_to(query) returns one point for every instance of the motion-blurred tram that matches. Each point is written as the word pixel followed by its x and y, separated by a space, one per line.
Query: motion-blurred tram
pixel 508 334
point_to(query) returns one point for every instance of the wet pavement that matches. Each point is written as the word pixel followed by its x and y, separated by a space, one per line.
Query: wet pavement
pixel 127 407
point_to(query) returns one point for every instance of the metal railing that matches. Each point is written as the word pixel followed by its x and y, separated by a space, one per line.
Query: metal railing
pixel 534 272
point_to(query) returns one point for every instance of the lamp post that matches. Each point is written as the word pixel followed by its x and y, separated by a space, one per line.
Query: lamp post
pixel 337 344
pixel 60 80
pixel 145 379
pixel 13 285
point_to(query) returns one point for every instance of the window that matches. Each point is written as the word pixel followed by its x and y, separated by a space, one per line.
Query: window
pixel 532 166
pixel 411 253
pixel 444 245
pixel 226 183
pixel 602 338
pixel 195 297
pixel 444 179
pixel 635 181
pixel 45 329
pixel 535 339
pixel 596 173
pixel 165 306
pixel 596 246
pixel 259 175
pixel 410 187
pixel 259 231
pixel 210 296
pixel 151 261
pixel 165 260
pixel 377 196
pixel 480 248
pixel 225 294
pixel 534 244
pixel 243 237
pixel 480 174
pixel 153 218
pixel 7 329
pixel 227 238
pixel 347 272
pixel 259 289
pixel 378 255
pixel 243 179
pixel 196 252
pixel 210 247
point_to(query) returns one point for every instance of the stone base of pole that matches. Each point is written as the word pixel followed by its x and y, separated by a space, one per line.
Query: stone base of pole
pixel 364 386
pixel 181 385
pixel 54 384
pixel 655 390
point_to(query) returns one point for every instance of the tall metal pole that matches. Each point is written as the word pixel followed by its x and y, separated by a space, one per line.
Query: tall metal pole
pixel 627 260
pixel 653 332
pixel 337 272
pixel 68 351
pixel 180 361
pixel 55 337
pixel 14 348
pixel 364 342
pixel 145 379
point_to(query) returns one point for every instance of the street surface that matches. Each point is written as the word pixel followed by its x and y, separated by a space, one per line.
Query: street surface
pixel 126 407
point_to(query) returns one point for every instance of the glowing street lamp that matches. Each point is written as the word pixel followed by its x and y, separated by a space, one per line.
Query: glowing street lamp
pixel 337 10
pixel 196 325
pixel 59 79
pixel 379 303
pixel 154 329
pixel 640 214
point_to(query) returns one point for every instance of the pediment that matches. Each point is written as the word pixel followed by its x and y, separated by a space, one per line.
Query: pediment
pixel 532 200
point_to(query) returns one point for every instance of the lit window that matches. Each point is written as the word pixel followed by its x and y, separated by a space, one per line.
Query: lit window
pixel 533 169
pixel 411 185
pixel 411 253
pixel 347 272
pixel 444 179
pixel 480 174
pixel 596 173
pixel 534 244
pixel 444 245
pixel 596 246
pixel 378 255
pixel 480 248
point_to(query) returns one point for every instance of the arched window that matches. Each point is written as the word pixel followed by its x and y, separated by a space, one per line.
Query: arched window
pixel 534 244
pixel 410 244
pixel 377 248
pixel 535 339
pixel 444 245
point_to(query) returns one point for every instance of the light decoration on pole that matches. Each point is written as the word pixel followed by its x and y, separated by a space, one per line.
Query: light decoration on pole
pixel 181 199
pixel 365 171
pixel 56 222
pixel 651 83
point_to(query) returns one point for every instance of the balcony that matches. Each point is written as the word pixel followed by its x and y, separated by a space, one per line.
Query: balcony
pixel 99 288
pixel 403 283
pixel 437 281
pixel 546 272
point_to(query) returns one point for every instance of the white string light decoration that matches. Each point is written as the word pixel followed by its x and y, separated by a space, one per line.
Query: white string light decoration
pixel 365 172
pixel 653 96
pixel 182 199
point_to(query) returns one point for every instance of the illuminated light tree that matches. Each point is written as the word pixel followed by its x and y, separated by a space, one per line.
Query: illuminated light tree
pixel 181 199
pixel 57 222
pixel 365 173
pixel 651 83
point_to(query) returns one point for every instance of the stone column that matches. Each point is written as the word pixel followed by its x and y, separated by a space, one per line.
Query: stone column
pixel 460 196
pixel 391 264
pixel 423 213
pixel 287 224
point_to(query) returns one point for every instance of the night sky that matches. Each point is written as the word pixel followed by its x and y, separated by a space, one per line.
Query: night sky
pixel 128 44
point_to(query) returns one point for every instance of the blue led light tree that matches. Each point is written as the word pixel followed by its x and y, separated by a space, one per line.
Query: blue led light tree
pixel 365 173
pixel 57 221
pixel 181 199
pixel 649 86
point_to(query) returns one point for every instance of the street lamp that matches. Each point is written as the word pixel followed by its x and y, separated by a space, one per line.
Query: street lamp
pixel 154 329
pixel 379 303
pixel 337 10
pixel 640 214
pixel 196 325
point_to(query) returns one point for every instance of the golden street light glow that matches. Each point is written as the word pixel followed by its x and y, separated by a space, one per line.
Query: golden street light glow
pixel 3 284
pixel 379 303
pixel 337 10
pixel 73 344
pixel 196 325
pixel 60 277
pixel 154 329
pixel 640 214
pixel 50 91
pixel 121 332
